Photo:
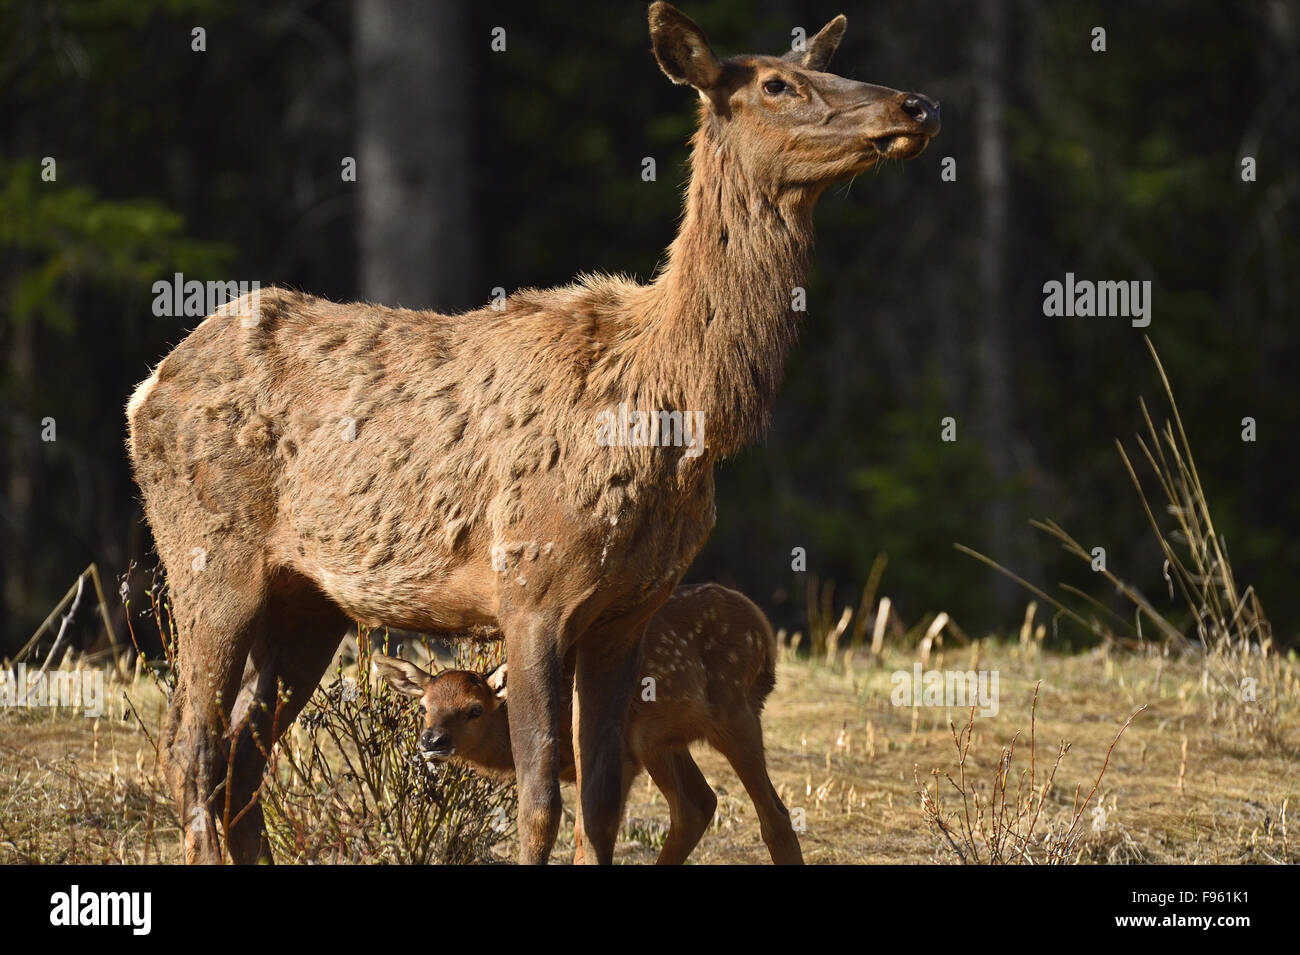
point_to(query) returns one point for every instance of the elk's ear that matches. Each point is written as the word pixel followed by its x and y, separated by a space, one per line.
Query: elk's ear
pixel 496 680
pixel 817 55
pixel 406 678
pixel 682 49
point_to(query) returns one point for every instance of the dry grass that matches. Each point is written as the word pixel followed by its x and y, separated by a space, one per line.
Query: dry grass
pixel 1212 619
pixel 840 749
pixel 347 782
pixel 79 790
pixel 989 829
pixel 1178 787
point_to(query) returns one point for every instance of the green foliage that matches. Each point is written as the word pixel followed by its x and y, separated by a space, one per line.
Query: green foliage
pixel 897 497
pixel 57 236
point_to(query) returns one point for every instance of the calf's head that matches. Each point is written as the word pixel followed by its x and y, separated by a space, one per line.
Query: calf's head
pixel 463 710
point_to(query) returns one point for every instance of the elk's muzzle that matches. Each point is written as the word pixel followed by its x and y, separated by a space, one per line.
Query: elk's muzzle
pixel 435 744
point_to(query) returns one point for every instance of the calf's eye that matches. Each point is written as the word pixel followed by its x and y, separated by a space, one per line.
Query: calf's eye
pixel 474 712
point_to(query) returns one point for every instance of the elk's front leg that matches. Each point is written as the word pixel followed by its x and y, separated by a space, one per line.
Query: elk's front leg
pixel 608 660
pixel 536 701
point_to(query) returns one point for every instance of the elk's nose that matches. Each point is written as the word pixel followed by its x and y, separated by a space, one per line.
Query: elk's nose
pixel 923 111
pixel 435 743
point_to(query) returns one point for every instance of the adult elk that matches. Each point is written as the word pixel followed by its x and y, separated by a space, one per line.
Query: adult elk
pixel 312 462
pixel 708 665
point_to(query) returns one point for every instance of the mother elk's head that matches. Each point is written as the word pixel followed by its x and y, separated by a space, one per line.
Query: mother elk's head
pixel 788 121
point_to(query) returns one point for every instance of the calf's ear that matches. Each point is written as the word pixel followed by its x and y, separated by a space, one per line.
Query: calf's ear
pixel 497 681
pixel 406 678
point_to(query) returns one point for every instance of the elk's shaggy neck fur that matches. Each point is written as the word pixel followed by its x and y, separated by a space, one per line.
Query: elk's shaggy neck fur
pixel 718 320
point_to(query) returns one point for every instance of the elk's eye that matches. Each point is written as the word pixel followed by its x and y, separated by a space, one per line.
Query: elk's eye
pixel 775 87
pixel 474 712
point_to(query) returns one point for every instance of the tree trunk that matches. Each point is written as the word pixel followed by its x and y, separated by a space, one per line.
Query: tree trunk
pixel 20 479
pixel 993 359
pixel 413 154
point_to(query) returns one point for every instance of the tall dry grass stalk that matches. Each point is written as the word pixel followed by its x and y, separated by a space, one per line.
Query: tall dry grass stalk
pixel 866 628
pixel 1244 676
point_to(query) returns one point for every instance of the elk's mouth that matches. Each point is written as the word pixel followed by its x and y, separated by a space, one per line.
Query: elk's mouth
pixel 901 146
pixel 439 755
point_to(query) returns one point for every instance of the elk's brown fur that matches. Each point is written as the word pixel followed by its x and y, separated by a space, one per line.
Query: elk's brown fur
pixel 709 663
pixel 304 462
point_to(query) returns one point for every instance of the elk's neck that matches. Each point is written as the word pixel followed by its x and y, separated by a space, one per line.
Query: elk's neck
pixel 721 315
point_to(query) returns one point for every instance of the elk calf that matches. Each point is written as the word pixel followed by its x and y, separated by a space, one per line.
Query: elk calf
pixel 708 664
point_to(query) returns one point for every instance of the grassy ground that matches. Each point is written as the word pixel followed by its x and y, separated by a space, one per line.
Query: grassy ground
pixel 839 749
pixel 1184 784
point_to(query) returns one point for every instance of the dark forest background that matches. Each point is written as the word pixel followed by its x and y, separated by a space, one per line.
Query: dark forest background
pixel 479 168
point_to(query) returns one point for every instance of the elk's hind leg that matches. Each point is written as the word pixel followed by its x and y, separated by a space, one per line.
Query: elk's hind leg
pixel 301 632
pixel 691 802
pixel 631 771
pixel 218 604
pixel 741 741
